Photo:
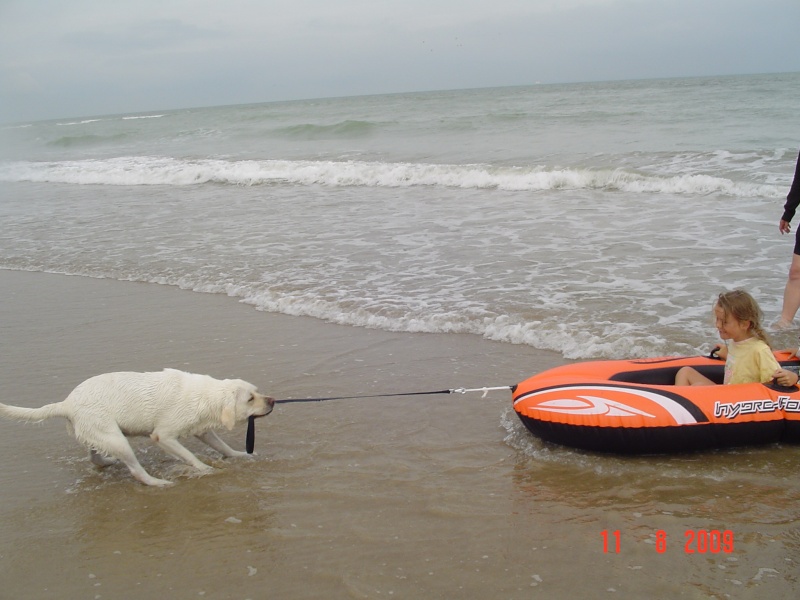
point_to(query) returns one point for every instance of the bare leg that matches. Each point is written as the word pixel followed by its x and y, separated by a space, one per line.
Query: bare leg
pixel 213 440
pixel 689 376
pixel 791 294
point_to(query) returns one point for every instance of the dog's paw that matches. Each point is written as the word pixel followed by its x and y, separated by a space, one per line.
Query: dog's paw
pixel 100 460
pixel 238 454
pixel 156 482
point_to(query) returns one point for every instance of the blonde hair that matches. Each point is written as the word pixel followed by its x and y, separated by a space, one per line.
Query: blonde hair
pixel 742 306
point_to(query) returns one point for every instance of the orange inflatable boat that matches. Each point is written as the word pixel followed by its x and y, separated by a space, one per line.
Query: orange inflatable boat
pixel 633 407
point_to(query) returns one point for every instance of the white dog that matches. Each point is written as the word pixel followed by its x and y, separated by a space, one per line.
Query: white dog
pixel 164 405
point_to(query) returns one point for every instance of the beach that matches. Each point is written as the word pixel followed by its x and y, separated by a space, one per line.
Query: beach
pixel 432 496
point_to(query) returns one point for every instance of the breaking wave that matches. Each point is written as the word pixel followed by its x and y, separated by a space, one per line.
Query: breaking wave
pixel 151 170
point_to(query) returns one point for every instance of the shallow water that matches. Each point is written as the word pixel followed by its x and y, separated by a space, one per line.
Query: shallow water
pixel 429 496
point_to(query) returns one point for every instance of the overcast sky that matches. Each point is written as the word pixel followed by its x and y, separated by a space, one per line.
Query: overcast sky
pixel 71 58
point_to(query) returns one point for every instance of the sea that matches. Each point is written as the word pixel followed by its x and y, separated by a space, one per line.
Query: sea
pixel 596 220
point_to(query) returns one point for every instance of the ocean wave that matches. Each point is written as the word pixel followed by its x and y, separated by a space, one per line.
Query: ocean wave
pixel 144 170
pixel 134 117
pixel 573 339
pixel 72 141
pixel 83 122
pixel 344 129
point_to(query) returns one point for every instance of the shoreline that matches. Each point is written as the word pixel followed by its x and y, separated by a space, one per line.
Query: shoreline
pixel 121 325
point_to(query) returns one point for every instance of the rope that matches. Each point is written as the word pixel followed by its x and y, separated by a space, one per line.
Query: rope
pixel 251 427
pixel 292 400
pixel 485 391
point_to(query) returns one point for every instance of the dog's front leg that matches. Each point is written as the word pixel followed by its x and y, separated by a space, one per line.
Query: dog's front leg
pixel 174 448
pixel 212 439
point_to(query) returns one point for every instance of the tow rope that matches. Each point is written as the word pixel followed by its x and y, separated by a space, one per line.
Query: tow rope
pixel 251 422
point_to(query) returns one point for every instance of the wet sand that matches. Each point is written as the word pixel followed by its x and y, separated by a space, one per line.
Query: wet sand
pixel 438 496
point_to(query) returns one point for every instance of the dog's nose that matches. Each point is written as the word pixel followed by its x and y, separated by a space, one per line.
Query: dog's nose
pixel 270 401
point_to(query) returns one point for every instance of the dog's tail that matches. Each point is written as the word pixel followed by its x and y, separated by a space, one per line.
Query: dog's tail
pixel 20 413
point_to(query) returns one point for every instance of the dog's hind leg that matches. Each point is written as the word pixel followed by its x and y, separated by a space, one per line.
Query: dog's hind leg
pixel 100 460
pixel 213 440
pixel 117 445
pixel 174 448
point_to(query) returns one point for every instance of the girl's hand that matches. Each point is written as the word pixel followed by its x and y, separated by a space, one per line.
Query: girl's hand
pixel 785 378
pixel 721 351
pixel 785 227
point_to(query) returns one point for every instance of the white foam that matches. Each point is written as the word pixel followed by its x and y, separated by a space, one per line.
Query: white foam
pixel 142 117
pixel 154 170
pixel 82 122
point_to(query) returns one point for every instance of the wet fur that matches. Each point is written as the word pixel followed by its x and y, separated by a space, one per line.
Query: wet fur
pixel 164 405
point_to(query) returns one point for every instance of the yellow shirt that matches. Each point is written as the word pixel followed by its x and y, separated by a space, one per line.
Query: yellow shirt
pixel 750 361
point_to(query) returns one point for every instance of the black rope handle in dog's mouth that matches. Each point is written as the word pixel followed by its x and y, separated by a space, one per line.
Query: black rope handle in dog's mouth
pixel 250 442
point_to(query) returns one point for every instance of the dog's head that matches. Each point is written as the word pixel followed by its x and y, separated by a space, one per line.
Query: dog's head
pixel 244 402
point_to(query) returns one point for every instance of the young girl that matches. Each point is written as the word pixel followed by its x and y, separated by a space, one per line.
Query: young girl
pixel 749 358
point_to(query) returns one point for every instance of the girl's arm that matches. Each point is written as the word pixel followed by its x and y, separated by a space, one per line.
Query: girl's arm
pixel 786 378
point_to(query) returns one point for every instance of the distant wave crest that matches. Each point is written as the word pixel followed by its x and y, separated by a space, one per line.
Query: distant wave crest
pixel 178 172
pixel 345 129
pixel 73 141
